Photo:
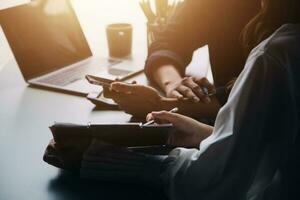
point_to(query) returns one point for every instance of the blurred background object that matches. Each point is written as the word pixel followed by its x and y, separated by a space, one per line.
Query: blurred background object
pixel 5 54
pixel 46 37
pixel 158 15
pixel 11 3
pixel 93 23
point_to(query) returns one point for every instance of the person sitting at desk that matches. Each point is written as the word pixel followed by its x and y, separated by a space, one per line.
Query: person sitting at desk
pixel 255 136
pixel 199 22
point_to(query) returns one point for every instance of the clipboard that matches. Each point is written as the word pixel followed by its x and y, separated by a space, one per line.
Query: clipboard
pixel 123 134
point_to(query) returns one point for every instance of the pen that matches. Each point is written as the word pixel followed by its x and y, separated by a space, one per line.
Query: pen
pixel 158 5
pixel 164 7
pixel 206 93
pixel 146 8
pixel 174 110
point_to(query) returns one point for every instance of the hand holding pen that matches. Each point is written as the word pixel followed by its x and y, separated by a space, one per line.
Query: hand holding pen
pixel 187 133
pixel 174 110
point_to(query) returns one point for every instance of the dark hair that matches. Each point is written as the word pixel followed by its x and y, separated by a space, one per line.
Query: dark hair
pixel 273 14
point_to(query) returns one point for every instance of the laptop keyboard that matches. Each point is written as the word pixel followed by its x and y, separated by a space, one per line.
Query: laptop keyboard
pixel 66 76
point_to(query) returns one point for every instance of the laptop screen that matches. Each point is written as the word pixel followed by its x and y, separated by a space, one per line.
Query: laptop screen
pixel 44 35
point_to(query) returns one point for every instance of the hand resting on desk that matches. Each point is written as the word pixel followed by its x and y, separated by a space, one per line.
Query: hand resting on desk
pixel 139 100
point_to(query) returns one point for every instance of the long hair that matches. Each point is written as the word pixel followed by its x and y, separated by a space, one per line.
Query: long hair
pixel 273 14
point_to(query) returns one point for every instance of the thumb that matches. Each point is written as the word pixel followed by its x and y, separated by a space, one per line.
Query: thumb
pixel 122 87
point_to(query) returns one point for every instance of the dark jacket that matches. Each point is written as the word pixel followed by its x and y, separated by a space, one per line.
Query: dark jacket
pixel 217 23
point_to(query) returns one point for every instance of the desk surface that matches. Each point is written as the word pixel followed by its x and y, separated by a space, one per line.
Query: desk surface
pixel 26 113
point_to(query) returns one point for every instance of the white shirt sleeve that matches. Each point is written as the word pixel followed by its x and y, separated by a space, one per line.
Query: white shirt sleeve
pixel 244 139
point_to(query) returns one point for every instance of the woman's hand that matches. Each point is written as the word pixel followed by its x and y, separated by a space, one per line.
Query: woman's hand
pixel 189 132
pixel 137 100
pixel 191 88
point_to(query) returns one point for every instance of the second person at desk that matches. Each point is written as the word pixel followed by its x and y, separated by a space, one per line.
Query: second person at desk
pixel 198 23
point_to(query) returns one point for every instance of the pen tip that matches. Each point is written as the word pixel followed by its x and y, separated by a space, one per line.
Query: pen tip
pixel 175 109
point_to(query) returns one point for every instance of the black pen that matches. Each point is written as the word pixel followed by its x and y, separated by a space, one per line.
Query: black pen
pixel 206 93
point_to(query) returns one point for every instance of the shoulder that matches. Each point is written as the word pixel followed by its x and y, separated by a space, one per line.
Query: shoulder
pixel 282 46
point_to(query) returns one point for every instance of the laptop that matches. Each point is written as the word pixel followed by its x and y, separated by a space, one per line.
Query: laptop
pixel 52 52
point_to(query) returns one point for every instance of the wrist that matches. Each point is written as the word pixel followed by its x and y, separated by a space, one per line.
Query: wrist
pixel 168 87
pixel 168 103
pixel 206 130
pixel 166 76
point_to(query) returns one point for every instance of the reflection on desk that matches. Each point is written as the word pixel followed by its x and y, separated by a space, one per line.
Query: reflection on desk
pixel 68 186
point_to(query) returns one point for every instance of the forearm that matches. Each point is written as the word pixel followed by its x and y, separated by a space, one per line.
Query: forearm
pixel 176 43
pixel 206 131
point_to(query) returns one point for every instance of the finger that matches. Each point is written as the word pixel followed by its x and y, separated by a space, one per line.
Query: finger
pixel 203 82
pixel 123 87
pixel 176 94
pixel 173 118
pixel 158 120
pixel 139 90
pixel 203 95
pixel 149 117
pixel 119 100
pixel 128 88
pixel 108 93
pixel 187 92
pixel 210 89
pixel 189 82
